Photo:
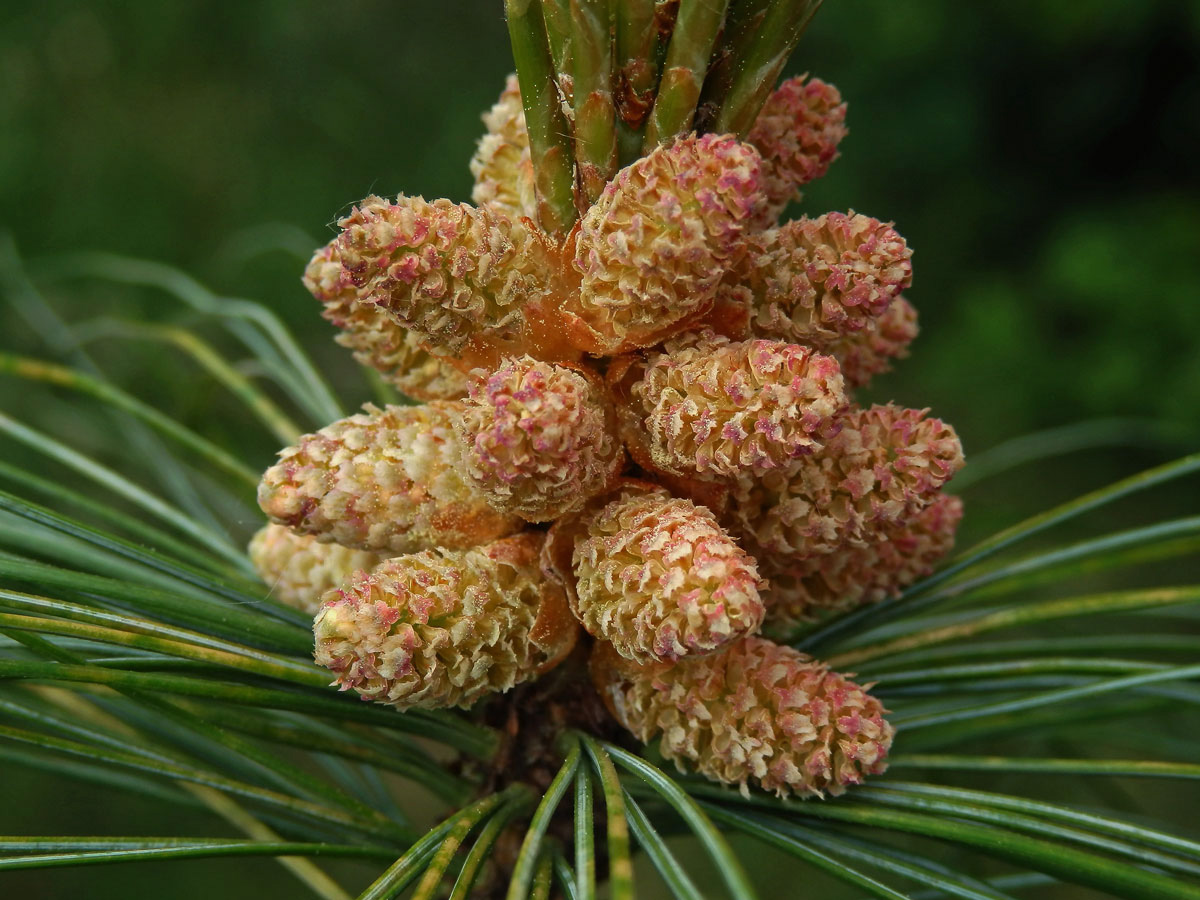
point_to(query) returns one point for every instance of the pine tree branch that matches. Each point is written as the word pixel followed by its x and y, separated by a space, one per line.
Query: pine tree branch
pixel 751 65
pixel 550 142
pixel 595 111
pixel 692 41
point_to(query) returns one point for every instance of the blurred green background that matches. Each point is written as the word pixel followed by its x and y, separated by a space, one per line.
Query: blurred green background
pixel 1039 156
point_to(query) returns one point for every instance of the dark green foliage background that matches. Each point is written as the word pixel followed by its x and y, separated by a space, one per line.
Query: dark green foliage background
pixel 1039 156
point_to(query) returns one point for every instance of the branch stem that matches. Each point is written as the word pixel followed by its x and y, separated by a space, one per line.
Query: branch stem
pixel 595 111
pixel 752 60
pixel 549 132
pixel 696 28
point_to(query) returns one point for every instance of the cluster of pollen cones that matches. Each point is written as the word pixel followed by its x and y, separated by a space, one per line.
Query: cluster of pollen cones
pixel 638 439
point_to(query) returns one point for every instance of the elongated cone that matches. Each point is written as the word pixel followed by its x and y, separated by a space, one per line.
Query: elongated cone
pixel 895 556
pixel 299 569
pixel 812 281
pixel 797 132
pixel 718 407
pixel 444 628
pixel 659 578
pixel 755 712
pixel 870 352
pixel 540 439
pixel 501 166
pixel 884 465
pixel 652 250
pixel 446 271
pixel 377 339
pixel 387 480
pixel 419 374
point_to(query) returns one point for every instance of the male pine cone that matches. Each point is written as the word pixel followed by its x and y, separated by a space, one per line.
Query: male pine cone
pixel 444 628
pixel 299 569
pixel 756 711
pixel 732 344
pixel 388 480
pixel 659 578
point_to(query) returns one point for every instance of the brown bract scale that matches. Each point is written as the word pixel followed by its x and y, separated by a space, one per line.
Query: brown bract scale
pixel 651 251
pixel 387 480
pixel 443 628
pixel 447 271
pixel 755 713
pixel 886 463
pixel 718 407
pixel 540 439
pixel 893 557
pixel 501 166
pixel 797 132
pixel 659 578
pixel 811 281
pixel 870 352
pixel 299 569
